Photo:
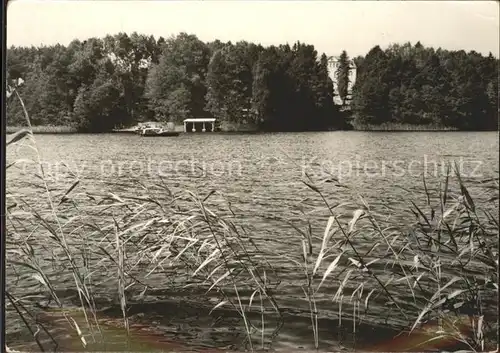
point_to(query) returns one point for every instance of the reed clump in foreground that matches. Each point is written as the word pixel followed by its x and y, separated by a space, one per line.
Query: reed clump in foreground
pixel 440 269
pixel 441 272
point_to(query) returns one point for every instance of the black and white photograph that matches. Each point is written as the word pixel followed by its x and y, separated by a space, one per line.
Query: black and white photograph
pixel 251 176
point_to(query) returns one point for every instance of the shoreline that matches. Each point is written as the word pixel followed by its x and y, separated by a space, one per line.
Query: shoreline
pixel 65 130
pixel 374 337
pixel 43 129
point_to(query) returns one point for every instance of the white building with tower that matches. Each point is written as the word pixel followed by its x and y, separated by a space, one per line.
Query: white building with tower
pixel 333 64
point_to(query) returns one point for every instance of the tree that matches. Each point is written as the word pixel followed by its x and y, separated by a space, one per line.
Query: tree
pixel 98 107
pixel 131 57
pixel 263 73
pixel 419 85
pixel 179 74
pixel 229 82
pixel 370 101
pixel 292 90
pixel 342 75
pixel 329 117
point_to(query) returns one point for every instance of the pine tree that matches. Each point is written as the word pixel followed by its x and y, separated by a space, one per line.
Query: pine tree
pixel 342 75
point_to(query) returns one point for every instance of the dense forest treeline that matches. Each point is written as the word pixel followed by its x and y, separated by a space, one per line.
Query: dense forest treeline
pixel 418 85
pixel 116 81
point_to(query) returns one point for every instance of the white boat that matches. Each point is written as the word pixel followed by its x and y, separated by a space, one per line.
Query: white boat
pixel 156 131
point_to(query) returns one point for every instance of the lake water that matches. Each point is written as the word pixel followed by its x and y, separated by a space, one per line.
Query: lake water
pixel 261 177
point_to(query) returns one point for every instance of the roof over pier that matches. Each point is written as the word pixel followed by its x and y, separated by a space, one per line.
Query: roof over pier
pixel 200 120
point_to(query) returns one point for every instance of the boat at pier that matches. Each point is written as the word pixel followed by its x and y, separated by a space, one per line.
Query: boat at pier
pixel 156 131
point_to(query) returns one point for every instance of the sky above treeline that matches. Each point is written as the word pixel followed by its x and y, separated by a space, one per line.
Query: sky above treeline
pixel 331 26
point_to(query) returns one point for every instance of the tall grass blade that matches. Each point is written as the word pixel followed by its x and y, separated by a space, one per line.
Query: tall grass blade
pixel 326 238
pixel 330 269
pixel 18 136
pixel 357 215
